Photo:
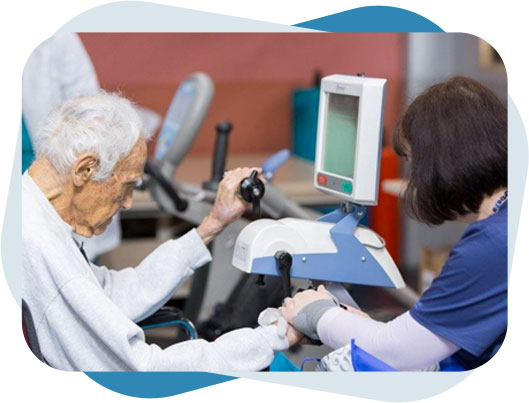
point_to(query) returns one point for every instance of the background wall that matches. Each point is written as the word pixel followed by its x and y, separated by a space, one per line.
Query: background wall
pixel 254 75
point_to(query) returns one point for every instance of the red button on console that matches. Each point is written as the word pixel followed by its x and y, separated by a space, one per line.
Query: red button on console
pixel 322 180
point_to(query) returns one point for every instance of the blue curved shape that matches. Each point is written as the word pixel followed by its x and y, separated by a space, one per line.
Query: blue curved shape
pixel 156 384
pixel 373 19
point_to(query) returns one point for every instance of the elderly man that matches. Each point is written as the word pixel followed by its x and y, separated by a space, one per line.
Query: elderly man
pixel 90 154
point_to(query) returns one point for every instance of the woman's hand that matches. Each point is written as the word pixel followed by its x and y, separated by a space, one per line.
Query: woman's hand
pixel 292 306
pixel 305 309
pixel 228 205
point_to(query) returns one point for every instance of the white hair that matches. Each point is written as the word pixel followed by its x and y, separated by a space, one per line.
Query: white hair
pixel 104 124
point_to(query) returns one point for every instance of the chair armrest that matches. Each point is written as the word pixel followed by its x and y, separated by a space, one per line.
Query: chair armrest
pixel 169 316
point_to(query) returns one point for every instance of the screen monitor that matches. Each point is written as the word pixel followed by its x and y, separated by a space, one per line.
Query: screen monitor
pixel 184 118
pixel 175 116
pixel 350 123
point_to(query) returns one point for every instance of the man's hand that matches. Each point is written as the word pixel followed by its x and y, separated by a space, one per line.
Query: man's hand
pixel 292 306
pixel 293 335
pixel 228 205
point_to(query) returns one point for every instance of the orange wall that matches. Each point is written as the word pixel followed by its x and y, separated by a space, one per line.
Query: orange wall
pixel 254 75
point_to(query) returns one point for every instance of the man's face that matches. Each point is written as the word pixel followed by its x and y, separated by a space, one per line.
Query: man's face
pixel 98 202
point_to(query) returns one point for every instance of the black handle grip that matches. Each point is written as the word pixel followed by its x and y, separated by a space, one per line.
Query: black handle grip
pixel 252 190
pixel 221 150
pixel 284 264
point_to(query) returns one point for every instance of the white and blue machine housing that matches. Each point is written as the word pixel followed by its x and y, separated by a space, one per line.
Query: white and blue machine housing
pixel 335 248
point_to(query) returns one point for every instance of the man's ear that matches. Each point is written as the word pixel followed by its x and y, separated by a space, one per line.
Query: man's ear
pixel 84 168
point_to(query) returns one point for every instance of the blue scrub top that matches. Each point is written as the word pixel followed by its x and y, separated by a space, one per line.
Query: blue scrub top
pixel 467 303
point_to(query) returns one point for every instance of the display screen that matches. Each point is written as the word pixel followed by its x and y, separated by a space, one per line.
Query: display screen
pixel 340 134
pixel 176 115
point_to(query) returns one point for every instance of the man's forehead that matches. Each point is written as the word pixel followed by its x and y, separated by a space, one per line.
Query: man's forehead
pixel 128 175
pixel 131 167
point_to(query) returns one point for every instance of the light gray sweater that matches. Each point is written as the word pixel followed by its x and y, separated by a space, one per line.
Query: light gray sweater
pixel 85 315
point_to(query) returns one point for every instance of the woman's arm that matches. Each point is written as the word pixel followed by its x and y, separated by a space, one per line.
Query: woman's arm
pixel 403 343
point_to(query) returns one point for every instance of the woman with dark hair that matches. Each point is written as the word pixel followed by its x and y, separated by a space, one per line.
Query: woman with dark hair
pixel 455 137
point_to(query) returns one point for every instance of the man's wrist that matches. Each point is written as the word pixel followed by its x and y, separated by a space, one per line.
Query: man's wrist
pixel 209 228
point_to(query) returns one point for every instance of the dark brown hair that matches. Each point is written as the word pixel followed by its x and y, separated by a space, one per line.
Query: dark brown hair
pixel 456 136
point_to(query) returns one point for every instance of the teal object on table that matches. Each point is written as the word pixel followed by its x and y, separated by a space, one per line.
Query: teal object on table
pixel 28 155
pixel 282 364
pixel 305 103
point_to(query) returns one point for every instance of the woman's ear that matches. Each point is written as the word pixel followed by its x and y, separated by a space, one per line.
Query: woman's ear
pixel 84 169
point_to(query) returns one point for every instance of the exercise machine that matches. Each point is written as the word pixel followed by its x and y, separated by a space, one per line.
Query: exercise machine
pixel 334 249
